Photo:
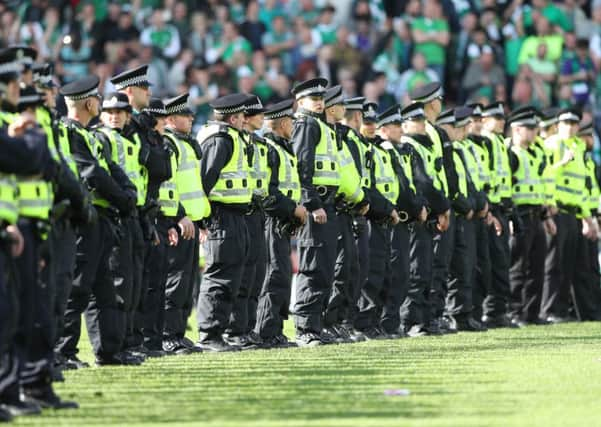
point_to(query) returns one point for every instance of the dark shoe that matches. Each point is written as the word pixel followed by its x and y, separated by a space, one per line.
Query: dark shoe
pixel 5 416
pixel 56 373
pixel 329 336
pixel 45 397
pixel 285 342
pixel 519 323
pixel 433 328
pixel 344 336
pixel 189 344
pixel 466 324
pixel 355 335
pixel 398 334
pixel 122 358
pixel 174 346
pixel 147 352
pixel 371 334
pixel 557 319
pixel 445 326
pixel 493 322
pixel 18 408
pixel 73 362
pixel 308 339
pixel 215 345
pixel 240 341
pixel 418 331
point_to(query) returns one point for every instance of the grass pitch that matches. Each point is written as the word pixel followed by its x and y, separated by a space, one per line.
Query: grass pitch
pixel 536 376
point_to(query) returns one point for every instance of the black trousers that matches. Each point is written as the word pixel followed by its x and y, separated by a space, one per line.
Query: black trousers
pixel 559 267
pixel 122 270
pixel 62 240
pixel 360 269
pixel 528 248
pixel 463 267
pixel 226 250
pixel 496 303
pixel 244 311
pixel 152 307
pixel 317 248
pixel 342 289
pixel 587 280
pixel 399 278
pixel 9 321
pixel 444 244
pixel 274 299
pixel 416 307
pixel 482 283
pixel 93 292
pixel 373 295
pixel 181 273
pixel 133 334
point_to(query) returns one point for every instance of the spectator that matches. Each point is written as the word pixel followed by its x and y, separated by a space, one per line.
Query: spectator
pixel 579 72
pixel 391 59
pixel 202 91
pixel 279 41
pixel 529 90
pixel 483 76
pixel 281 87
pixel 544 34
pixel 268 12
pixel 307 12
pixel 75 55
pixel 431 35
pixel 418 75
pixel 348 81
pixel 200 40
pixel 180 19
pixel 163 36
pixel 345 54
pixel 384 97
pixel 177 73
pixel 326 27
pixel 262 87
pixel 469 23
pixel 252 29
pixel 543 70
pixel 307 46
pixel 236 11
pixel 230 44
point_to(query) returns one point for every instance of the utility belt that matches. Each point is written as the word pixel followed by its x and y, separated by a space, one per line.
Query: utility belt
pixel 327 193
pixel 569 209
pixel 41 227
pixel 529 211
pixel 236 209
pixel 502 209
pixel 256 205
pixel 287 227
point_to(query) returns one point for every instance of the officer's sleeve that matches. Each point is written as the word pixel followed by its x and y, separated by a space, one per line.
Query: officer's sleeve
pixel 305 137
pixel 157 161
pixel 437 201
pixel 407 200
pixel 94 175
pixel 449 167
pixel 216 153
pixel 26 155
pixel 277 204
pixel 117 173
pixel 379 206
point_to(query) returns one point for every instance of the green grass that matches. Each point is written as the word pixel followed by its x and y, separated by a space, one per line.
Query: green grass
pixel 537 376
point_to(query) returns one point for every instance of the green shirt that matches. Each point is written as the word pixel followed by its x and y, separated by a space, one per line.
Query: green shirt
pixel 433 51
pixel 239 44
pixel 554 47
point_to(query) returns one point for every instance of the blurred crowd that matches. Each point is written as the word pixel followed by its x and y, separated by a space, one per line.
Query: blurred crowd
pixel 537 52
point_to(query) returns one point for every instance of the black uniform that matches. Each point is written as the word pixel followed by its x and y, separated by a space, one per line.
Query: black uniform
pixel 274 299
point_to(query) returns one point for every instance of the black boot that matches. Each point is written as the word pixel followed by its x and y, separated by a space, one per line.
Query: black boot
pixel 45 397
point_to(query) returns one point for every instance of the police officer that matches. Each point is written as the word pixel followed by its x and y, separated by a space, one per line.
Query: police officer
pixel 24 152
pixel 587 293
pixel 466 202
pixel 93 290
pixel 183 259
pixel 427 167
pixel 125 167
pixel 240 331
pixel 527 242
pixel 285 215
pixel 568 152
pixel 496 303
pixel 226 182
pixel 370 119
pixel 351 199
pixel 154 168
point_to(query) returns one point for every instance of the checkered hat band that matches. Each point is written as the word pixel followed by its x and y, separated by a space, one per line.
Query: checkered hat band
pixel 10 67
pixel 278 115
pixel 335 101
pixel 155 111
pixel 254 107
pixel 134 81
pixel 84 95
pixel 231 110
pixel 390 119
pixel 568 117
pixel 178 108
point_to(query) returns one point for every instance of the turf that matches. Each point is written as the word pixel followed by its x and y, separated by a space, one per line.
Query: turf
pixel 536 376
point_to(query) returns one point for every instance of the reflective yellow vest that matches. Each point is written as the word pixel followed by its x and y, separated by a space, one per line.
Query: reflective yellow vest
pixel 168 195
pixel 143 190
pixel 327 168
pixel 528 186
pixel 65 149
pixel 350 180
pixel 594 193
pixel 288 178
pixel 480 154
pixel 365 158
pixel 387 183
pixel 429 159
pixel 437 151
pixel 461 174
pixel 125 153
pixel 501 175
pixel 9 203
pixel 233 185
pixel 259 172
pixel 188 180
pixel 570 180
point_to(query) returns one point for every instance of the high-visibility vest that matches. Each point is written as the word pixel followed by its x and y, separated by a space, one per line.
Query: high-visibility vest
pixel 168 195
pixel 386 181
pixel 65 148
pixel 429 159
pixel 233 185
pixel 125 153
pixel 437 151
pixel 143 190
pixel 259 171
pixel 350 180
pixel 570 179
pixel 461 174
pixel 35 196
pixel 327 167
pixel 188 180
pixel 594 193
pixel 528 186
pixel 364 157
pixel 288 178
pixel 404 160
pixel 470 162
pixel 501 176
pixel 480 154
pixel 9 203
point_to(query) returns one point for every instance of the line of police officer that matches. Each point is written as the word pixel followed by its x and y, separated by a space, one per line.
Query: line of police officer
pixel 412 222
